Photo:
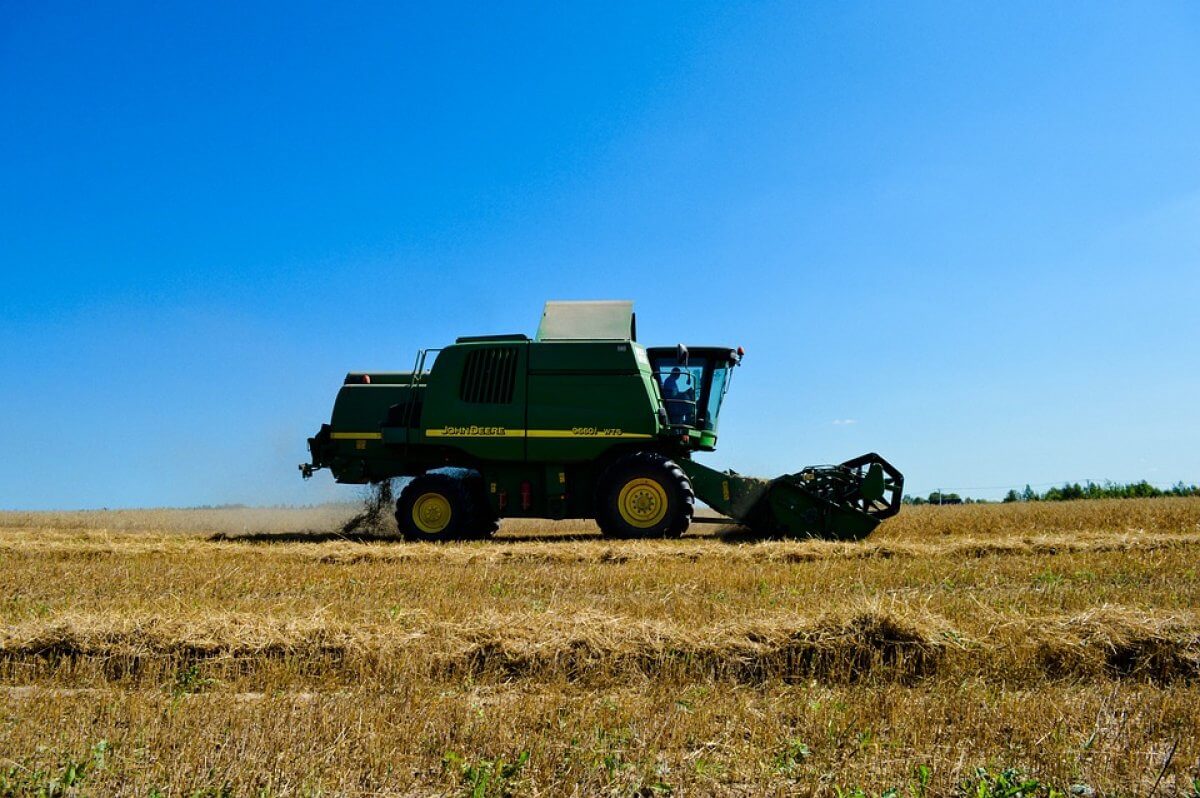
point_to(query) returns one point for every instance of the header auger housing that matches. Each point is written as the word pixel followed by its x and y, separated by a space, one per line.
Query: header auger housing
pixel 579 422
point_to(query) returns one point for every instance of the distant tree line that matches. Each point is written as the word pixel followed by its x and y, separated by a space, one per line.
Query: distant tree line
pixel 937 497
pixel 1070 491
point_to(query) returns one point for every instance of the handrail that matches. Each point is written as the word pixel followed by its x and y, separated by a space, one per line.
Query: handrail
pixel 415 377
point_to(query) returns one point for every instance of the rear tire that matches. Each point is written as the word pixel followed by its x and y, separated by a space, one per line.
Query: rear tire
pixel 644 495
pixel 439 507
pixel 483 523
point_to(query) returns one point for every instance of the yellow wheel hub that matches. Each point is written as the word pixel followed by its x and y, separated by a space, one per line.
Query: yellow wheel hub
pixel 431 512
pixel 642 502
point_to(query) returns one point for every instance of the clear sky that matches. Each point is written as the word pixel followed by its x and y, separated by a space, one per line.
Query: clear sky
pixel 966 236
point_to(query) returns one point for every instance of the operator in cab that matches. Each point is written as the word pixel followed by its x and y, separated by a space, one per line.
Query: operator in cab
pixel 679 392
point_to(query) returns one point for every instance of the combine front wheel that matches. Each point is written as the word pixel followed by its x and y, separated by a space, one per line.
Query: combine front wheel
pixel 436 507
pixel 644 495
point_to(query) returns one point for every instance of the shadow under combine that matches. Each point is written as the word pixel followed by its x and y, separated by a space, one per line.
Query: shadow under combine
pixel 503 537
pixel 267 538
pixel 732 535
pixel 744 534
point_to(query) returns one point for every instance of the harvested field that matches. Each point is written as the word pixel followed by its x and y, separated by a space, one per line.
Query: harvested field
pixel 261 651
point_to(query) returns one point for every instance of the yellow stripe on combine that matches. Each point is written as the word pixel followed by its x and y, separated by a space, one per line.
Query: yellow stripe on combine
pixel 584 433
pixel 475 432
pixel 500 432
pixel 505 432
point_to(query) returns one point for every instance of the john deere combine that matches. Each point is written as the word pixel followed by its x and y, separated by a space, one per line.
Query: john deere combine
pixel 580 422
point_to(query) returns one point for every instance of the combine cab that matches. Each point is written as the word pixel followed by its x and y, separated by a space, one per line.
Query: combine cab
pixel 579 422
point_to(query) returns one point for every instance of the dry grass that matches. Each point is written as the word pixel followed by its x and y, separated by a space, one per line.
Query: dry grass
pixel 263 651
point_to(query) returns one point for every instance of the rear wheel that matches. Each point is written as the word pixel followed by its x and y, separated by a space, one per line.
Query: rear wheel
pixel 644 495
pixel 483 522
pixel 436 507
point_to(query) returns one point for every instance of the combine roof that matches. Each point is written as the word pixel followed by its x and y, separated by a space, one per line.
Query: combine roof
pixel 605 320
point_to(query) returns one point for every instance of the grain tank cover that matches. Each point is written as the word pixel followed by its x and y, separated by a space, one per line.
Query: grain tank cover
pixel 611 320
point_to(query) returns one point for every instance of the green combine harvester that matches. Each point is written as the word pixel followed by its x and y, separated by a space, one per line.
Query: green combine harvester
pixel 580 422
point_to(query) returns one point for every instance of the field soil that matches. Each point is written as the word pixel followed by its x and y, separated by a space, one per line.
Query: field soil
pixel 264 652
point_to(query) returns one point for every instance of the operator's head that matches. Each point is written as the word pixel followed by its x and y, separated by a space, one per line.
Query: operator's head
pixel 675 372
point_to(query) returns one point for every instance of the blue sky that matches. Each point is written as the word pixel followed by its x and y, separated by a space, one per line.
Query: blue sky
pixel 971 232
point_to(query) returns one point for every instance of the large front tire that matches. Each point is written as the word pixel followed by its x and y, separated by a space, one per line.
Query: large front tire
pixel 644 495
pixel 437 507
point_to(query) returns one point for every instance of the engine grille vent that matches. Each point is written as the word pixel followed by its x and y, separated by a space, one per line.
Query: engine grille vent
pixel 489 376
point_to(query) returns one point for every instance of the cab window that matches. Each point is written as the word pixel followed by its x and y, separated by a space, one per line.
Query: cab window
pixel 681 387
